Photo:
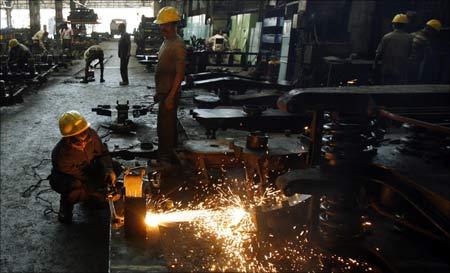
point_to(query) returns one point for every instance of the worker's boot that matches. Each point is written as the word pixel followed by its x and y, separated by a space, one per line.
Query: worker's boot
pixel 84 80
pixel 65 211
pixel 102 80
pixel 123 83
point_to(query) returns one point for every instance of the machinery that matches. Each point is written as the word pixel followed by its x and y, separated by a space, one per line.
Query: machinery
pixel 114 26
pixel 123 124
pixel 147 37
pixel 350 181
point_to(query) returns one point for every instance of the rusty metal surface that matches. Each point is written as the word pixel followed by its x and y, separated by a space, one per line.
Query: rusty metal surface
pixel 231 82
pixel 271 120
pixel 265 97
pixel 211 147
pixel 362 97
pixel 134 256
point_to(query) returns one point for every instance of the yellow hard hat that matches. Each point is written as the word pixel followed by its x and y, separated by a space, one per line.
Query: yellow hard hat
pixel 436 24
pixel 400 18
pixel 167 15
pixel 72 123
pixel 13 43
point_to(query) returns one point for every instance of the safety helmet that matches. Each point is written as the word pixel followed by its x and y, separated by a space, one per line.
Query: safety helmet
pixel 167 15
pixel 72 123
pixel 13 43
pixel 400 18
pixel 436 24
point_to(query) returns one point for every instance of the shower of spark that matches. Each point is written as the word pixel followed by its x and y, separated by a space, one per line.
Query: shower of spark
pixel 226 222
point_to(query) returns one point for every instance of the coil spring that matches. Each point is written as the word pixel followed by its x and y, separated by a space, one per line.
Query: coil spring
pixel 348 144
pixel 348 141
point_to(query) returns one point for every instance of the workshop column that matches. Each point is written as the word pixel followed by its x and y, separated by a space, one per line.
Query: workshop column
pixel 8 9
pixel 157 6
pixel 301 42
pixel 58 15
pixel 35 15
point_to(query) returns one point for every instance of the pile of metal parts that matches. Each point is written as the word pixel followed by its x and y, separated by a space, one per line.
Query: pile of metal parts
pixel 83 15
pixel 147 37
pixel 360 182
pixel 15 81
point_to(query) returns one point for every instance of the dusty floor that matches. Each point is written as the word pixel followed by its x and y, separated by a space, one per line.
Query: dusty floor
pixel 31 241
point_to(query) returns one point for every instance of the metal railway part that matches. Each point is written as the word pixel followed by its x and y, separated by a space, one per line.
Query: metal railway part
pixel 123 124
pixel 270 120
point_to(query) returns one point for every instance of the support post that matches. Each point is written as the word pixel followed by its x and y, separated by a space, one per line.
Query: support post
pixel 35 15
pixel 58 15
pixel 8 9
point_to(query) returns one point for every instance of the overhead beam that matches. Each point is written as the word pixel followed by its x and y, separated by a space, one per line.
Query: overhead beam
pixel 50 4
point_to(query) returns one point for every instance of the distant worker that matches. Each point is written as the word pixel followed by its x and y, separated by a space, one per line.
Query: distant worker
pixel 94 52
pixel 39 40
pixel 19 57
pixel 66 35
pixel 423 55
pixel 218 42
pixel 394 51
pixel 169 74
pixel 81 165
pixel 124 53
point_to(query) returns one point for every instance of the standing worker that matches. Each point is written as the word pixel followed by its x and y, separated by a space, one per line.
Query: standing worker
pixel 394 51
pixel 82 166
pixel 19 57
pixel 93 53
pixel 124 53
pixel 66 35
pixel 169 74
pixel 423 69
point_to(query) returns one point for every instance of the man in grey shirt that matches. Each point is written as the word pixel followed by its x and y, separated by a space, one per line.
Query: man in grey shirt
pixel 169 74
pixel 394 51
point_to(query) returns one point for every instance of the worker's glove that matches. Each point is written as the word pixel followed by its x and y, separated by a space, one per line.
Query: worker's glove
pixel 110 178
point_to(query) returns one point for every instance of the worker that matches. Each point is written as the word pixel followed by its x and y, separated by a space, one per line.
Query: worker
pixel 394 51
pixel 169 74
pixel 423 57
pixel 81 165
pixel 39 40
pixel 218 42
pixel 124 53
pixel 19 57
pixel 94 52
pixel 66 35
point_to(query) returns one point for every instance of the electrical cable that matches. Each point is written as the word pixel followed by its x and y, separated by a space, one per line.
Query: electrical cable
pixel 415 205
pixel 28 191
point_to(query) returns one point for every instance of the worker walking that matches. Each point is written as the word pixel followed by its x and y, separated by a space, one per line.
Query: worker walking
pixel 94 52
pixel 39 40
pixel 394 51
pixel 81 165
pixel 169 74
pixel 19 57
pixel 124 53
pixel 423 57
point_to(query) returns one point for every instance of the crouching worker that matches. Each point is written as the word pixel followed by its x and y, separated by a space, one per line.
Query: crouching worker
pixel 81 165
pixel 94 52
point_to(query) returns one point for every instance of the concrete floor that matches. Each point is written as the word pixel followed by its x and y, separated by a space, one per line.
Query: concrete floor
pixel 31 241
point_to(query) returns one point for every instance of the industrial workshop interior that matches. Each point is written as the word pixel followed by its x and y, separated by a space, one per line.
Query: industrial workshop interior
pixel 225 136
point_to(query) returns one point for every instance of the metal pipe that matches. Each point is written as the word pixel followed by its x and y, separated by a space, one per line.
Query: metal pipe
pixel 422 124
pixel 405 223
